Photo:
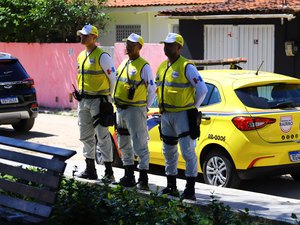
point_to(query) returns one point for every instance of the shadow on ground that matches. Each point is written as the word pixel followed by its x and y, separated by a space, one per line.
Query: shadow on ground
pixel 7 132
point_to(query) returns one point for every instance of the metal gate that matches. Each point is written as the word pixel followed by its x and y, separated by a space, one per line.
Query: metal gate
pixel 254 42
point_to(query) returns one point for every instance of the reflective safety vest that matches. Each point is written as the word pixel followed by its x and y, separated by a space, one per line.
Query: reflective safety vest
pixel 129 76
pixel 91 77
pixel 174 91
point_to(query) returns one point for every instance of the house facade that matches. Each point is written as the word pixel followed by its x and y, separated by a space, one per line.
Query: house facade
pixel 265 32
pixel 124 23
pixel 129 16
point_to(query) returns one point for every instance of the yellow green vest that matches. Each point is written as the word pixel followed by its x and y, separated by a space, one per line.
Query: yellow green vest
pixel 94 79
pixel 174 91
pixel 133 72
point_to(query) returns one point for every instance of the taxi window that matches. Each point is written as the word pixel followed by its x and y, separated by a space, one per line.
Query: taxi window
pixel 212 96
pixel 277 95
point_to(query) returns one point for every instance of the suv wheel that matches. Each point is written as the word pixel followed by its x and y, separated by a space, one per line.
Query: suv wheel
pixel 24 125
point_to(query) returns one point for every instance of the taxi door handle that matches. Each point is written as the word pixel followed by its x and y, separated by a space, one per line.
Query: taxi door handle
pixel 205 117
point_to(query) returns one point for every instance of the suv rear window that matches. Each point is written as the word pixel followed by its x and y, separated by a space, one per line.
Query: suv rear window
pixel 11 70
pixel 270 96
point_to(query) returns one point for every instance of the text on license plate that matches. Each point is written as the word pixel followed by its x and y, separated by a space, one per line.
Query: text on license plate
pixel 9 100
pixel 294 156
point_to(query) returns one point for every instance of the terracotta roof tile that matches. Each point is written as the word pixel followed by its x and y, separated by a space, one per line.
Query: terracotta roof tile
pixel 238 7
pixel 143 3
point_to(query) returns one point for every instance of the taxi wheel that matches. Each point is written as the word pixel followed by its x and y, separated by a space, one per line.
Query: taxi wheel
pixel 117 162
pixel 219 171
pixel 295 176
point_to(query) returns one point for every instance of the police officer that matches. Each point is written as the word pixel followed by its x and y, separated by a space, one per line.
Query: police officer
pixel 96 79
pixel 180 88
pixel 134 92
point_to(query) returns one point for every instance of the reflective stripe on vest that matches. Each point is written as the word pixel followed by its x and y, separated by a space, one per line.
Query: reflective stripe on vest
pixel 175 92
pixel 95 80
pixel 123 84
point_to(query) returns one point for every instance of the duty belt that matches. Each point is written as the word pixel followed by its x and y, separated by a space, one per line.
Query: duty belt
pixel 121 106
pixel 93 96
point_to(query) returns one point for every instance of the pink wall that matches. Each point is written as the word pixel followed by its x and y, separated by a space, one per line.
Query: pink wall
pixel 54 67
pixel 153 53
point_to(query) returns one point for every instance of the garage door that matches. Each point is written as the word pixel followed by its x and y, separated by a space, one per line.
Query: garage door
pixel 254 42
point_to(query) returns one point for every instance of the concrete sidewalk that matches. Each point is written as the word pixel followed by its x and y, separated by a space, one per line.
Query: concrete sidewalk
pixel 261 205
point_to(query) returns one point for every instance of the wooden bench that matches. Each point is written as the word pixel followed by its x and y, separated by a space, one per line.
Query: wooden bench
pixel 30 176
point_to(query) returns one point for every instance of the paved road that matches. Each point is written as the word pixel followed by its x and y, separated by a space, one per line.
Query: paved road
pixel 62 131
pixel 49 129
pixel 274 198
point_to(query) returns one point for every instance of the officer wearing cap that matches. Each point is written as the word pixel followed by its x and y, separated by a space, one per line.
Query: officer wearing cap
pixel 180 89
pixel 96 78
pixel 134 92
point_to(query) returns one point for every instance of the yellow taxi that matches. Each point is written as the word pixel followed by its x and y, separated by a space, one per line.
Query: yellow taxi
pixel 250 127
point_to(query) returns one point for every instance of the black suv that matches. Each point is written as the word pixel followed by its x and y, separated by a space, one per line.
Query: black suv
pixel 18 103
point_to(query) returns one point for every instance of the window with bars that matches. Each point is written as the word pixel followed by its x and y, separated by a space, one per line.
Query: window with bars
pixel 123 31
pixel 175 28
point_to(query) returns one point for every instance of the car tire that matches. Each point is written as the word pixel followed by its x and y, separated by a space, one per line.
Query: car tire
pixel 24 125
pixel 295 176
pixel 219 171
pixel 117 162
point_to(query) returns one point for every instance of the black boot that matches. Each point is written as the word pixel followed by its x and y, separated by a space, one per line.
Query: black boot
pixel 128 180
pixel 171 188
pixel 143 180
pixel 90 170
pixel 108 174
pixel 189 191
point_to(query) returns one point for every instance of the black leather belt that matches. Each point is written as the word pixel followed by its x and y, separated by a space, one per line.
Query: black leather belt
pixel 93 96
pixel 121 106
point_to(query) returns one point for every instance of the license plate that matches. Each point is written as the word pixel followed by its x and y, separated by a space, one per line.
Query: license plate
pixel 9 100
pixel 294 156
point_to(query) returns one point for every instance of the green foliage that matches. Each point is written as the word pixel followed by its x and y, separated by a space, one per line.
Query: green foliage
pixel 48 20
pixel 81 203
pixel 10 178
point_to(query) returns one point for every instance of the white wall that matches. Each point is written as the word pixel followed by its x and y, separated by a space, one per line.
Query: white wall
pixel 254 42
pixel 153 29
